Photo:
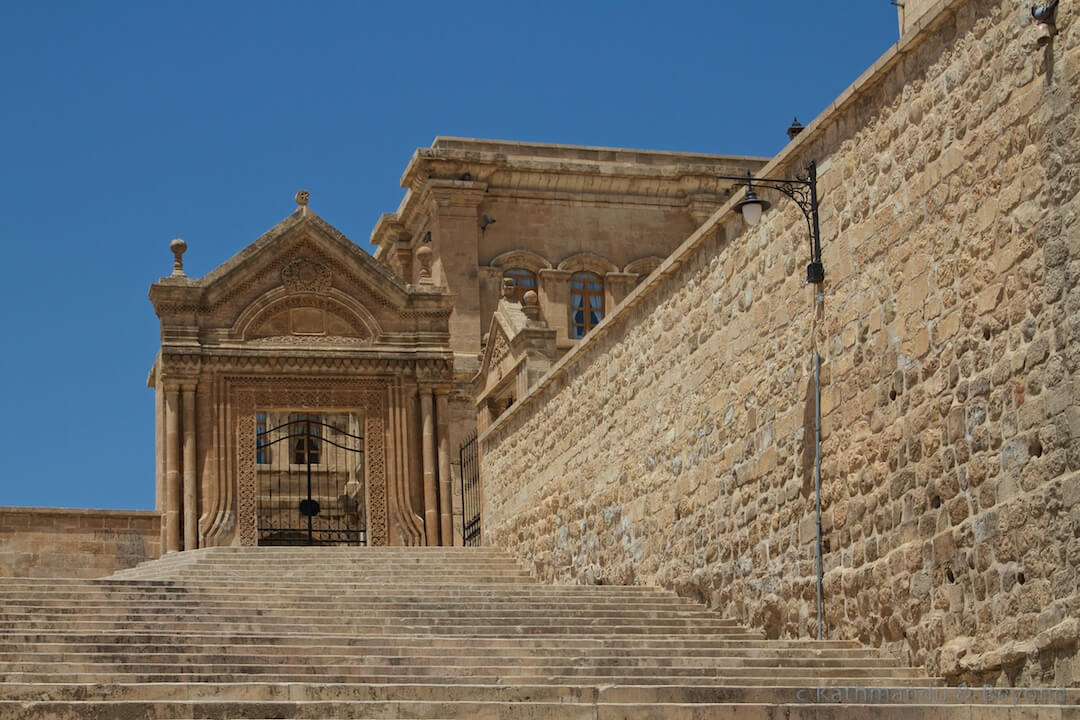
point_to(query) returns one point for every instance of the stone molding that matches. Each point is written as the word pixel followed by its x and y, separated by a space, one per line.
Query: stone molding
pixel 588 262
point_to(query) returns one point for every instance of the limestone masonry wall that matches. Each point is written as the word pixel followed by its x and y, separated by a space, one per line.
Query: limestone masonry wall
pixel 675 445
pixel 63 542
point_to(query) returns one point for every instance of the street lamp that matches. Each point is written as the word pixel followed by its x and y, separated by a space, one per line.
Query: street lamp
pixel 803 190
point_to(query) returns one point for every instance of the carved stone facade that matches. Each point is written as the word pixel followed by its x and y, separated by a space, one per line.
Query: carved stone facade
pixel 550 217
pixel 301 321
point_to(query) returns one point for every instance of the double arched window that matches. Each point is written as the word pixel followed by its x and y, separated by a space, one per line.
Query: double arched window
pixel 524 280
pixel 586 303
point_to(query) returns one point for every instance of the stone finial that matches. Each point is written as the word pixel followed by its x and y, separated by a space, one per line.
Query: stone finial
pixel 794 129
pixel 508 285
pixel 423 256
pixel 302 198
pixel 178 247
pixel 530 305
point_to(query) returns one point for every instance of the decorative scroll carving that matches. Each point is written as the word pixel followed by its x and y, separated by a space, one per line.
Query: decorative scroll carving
pixel 305 340
pixel 500 349
pixel 306 275
pixel 247 522
pixel 368 396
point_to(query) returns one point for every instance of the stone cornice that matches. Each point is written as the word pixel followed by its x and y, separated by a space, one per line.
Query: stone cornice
pixel 553 174
pixel 389 231
pixel 434 364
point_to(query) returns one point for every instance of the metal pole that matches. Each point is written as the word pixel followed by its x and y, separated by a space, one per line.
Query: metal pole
pixel 817 486
pixel 307 456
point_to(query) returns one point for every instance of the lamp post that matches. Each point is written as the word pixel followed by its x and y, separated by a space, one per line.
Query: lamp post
pixel 803 190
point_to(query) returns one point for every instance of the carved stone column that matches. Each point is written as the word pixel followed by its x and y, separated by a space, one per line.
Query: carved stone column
pixel 172 469
pixel 442 418
pixel 427 439
pixel 191 528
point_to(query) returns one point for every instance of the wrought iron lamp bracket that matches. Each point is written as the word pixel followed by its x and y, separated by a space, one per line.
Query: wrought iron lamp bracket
pixel 802 189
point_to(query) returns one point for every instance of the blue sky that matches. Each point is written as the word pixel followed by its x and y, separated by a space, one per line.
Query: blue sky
pixel 123 125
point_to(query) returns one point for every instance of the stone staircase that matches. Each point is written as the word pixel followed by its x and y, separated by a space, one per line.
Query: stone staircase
pixel 423 633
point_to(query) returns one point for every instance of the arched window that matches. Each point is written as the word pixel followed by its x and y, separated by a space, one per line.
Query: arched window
pixel 586 303
pixel 524 280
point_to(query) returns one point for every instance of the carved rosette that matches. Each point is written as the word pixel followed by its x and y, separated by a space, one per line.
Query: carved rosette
pixel 370 398
pixel 305 274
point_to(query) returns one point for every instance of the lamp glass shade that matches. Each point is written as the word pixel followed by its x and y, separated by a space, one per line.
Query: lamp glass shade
pixel 751 212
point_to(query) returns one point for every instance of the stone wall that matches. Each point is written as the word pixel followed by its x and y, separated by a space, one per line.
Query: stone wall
pixel 675 445
pixel 63 542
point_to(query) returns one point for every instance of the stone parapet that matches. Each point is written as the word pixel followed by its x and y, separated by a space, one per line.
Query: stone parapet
pixel 75 542
pixel 674 445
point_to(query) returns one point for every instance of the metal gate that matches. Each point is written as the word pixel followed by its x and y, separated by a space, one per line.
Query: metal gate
pixel 470 492
pixel 310 472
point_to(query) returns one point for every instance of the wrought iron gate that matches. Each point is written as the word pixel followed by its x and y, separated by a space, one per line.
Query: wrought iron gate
pixel 470 492
pixel 311 479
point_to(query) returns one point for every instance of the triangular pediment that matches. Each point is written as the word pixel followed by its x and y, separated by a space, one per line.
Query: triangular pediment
pixel 499 345
pixel 304 234
pixel 302 281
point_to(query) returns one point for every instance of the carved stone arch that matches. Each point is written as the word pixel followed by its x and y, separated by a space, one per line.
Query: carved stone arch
pixel 520 259
pixel 643 266
pixel 588 262
pixel 345 317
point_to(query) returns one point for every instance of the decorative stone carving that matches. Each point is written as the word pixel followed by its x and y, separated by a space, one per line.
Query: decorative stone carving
pixel 178 247
pixel 530 305
pixel 500 349
pixel 306 275
pixel 305 340
pixel 424 257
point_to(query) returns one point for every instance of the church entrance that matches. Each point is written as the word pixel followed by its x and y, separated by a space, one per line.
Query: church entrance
pixel 310 476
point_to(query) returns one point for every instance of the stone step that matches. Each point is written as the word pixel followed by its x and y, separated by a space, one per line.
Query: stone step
pixel 684 643
pixel 705 684
pixel 622 693
pixel 625 693
pixel 428 605
pixel 318 656
pixel 498 674
pixel 12 588
pixel 477 630
pixel 403 632
pixel 408 673
pixel 524 710
pixel 179 647
pixel 375 618
pixel 346 604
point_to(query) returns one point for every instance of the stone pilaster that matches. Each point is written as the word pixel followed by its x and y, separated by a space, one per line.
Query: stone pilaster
pixel 191 531
pixel 442 418
pixel 172 469
pixel 427 439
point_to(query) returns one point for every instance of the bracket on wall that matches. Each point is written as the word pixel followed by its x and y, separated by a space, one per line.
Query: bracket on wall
pixel 1045 18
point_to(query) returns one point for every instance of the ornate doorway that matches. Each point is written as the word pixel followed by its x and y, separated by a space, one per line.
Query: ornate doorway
pixel 311 478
